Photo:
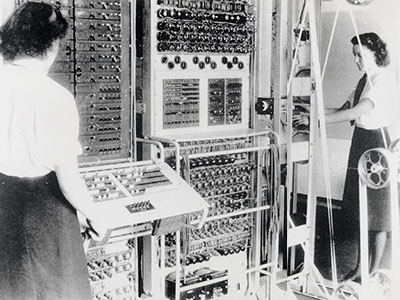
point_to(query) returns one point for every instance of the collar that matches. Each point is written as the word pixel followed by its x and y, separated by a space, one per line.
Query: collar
pixel 376 72
pixel 32 64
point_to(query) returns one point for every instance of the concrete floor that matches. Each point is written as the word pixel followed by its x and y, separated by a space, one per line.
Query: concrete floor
pixel 346 245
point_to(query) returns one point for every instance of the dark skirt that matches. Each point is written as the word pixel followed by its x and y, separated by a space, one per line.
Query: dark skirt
pixel 41 252
pixel 378 200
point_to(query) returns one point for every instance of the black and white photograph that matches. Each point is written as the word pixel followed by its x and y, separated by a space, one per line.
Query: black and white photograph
pixel 199 150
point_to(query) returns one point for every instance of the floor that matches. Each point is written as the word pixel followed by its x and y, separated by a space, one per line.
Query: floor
pixel 346 244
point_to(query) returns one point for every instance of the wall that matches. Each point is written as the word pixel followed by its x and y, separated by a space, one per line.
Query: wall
pixel 6 8
pixel 342 75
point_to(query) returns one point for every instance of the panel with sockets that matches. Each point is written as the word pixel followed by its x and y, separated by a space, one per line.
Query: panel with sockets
pixel 195 44
pixel 102 76
pixel 225 171
pixel 94 65
pixel 225 101
pixel 205 26
pixel 112 271
pixel 181 102
pixel 226 182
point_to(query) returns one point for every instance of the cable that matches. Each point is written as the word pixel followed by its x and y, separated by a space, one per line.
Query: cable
pixel 296 49
pixel 321 113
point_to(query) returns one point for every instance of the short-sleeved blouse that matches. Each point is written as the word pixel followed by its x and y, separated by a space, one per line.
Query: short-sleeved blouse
pixel 383 94
pixel 39 122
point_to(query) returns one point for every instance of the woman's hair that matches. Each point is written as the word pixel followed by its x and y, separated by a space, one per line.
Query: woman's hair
pixel 374 43
pixel 31 30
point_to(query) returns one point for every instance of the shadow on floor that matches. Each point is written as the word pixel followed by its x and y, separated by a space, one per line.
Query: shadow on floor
pixel 346 242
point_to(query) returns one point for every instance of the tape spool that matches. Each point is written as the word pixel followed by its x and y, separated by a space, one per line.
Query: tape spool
pixel 375 166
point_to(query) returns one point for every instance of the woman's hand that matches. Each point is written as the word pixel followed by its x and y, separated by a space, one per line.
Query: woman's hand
pixel 97 230
pixel 301 119
pixel 97 219
pixel 98 223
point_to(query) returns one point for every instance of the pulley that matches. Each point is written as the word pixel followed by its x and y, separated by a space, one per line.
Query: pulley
pixel 374 167
pixel 359 2
pixel 348 290
pixel 394 148
pixel 380 284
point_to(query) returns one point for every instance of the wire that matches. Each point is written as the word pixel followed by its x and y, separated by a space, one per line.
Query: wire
pixel 296 49
pixel 321 113
pixel 302 12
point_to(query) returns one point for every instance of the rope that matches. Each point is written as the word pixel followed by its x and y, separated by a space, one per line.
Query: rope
pixel 321 113
pixel 314 268
pixel 353 21
pixel 296 52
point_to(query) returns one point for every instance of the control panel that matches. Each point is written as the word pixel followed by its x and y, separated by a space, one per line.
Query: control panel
pixel 140 192
pixel 136 195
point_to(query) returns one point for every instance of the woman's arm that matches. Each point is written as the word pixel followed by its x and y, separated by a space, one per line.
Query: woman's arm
pixel 75 191
pixel 345 106
pixel 344 115
pixel 337 115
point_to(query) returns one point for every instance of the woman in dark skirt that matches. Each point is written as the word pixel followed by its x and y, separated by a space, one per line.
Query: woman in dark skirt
pixel 41 251
pixel 372 108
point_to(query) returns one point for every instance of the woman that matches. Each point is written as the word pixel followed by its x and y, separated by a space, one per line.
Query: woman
pixel 41 251
pixel 371 108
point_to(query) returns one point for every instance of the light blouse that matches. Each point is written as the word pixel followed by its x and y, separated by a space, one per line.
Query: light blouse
pixel 39 121
pixel 382 91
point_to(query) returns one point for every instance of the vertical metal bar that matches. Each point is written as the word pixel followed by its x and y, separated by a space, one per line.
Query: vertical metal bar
pixel 395 224
pixel 364 233
pixel 136 254
pixel 289 128
pixel 311 188
pixel 257 237
pixel 178 265
pixel 126 85
pixel 162 266
pixel 275 67
pixel 133 79
pixel 292 209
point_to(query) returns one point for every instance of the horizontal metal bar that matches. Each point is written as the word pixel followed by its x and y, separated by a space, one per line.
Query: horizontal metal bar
pixel 203 283
pixel 237 213
pixel 232 151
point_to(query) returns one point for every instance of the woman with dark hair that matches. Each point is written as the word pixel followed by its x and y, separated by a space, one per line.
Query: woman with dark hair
pixel 372 107
pixel 41 250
